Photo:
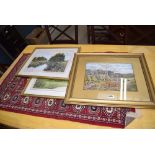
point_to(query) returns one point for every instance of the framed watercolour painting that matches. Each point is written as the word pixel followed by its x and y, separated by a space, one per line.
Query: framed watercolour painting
pixel 52 88
pixel 49 63
pixel 110 79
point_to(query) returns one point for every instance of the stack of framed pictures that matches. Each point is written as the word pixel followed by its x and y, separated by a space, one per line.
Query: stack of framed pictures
pixel 49 70
pixel 102 79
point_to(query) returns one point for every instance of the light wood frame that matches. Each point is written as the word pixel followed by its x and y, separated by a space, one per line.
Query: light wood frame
pixel 33 76
pixel 46 96
pixel 114 103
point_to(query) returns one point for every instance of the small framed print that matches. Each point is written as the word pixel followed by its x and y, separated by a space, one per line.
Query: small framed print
pixel 52 88
pixel 110 79
pixel 49 63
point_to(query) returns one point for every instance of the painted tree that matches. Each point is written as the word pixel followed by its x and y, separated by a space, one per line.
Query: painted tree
pixel 39 59
pixel 56 63
pixel 58 57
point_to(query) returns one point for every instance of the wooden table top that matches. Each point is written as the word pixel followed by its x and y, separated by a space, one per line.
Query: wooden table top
pixel 145 120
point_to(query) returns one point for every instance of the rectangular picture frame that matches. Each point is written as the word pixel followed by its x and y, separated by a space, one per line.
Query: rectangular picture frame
pixel 77 95
pixel 49 88
pixel 53 63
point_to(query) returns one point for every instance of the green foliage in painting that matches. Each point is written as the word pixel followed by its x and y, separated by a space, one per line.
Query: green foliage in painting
pixel 37 61
pixel 56 63
pixel 49 84
pixel 58 58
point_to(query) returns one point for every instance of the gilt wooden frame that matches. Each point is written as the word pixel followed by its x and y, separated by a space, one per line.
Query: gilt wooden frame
pixel 70 99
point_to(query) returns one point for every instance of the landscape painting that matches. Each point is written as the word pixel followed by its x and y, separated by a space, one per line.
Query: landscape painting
pixel 55 63
pixel 107 76
pixel 46 88
pixel 50 84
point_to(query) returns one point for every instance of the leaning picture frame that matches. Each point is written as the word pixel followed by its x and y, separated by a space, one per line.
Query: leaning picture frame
pixel 111 79
pixel 54 63
pixel 49 88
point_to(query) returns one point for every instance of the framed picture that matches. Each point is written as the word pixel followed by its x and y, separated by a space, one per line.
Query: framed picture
pixel 49 63
pixel 52 88
pixel 110 79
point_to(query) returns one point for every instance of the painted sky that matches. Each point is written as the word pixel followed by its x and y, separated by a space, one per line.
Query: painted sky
pixel 115 67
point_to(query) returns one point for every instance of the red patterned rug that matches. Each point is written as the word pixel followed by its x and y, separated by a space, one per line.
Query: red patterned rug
pixel 12 100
